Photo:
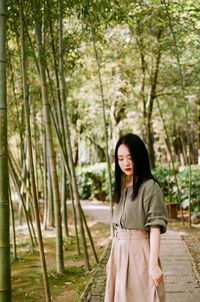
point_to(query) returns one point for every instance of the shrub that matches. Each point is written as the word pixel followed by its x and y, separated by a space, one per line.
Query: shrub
pixel 93 181
pixel 166 178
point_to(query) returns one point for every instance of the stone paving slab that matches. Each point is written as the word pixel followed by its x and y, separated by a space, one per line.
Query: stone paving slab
pixel 180 280
pixel 182 297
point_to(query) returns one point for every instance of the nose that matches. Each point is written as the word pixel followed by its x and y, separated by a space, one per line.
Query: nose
pixel 126 162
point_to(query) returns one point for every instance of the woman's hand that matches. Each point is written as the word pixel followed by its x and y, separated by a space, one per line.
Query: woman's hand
pixel 156 274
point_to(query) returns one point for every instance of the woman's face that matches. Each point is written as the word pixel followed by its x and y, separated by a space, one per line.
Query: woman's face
pixel 124 160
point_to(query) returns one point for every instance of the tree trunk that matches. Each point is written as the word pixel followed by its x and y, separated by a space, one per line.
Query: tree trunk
pixel 105 125
pixel 67 170
pixel 21 198
pixel 152 96
pixel 13 226
pixel 30 156
pixel 63 201
pixel 172 159
pixel 68 142
pixel 60 124
pixel 50 147
pixel 140 42
pixel 45 187
pixel 148 102
pixel 5 275
pixel 51 211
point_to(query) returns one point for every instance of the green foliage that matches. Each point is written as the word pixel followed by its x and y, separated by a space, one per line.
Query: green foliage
pixel 93 181
pixel 183 178
pixel 166 178
pixel 123 31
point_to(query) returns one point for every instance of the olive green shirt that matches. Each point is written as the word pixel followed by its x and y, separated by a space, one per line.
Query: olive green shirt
pixel 146 210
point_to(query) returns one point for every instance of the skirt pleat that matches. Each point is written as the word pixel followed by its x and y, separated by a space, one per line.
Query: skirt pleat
pixel 127 270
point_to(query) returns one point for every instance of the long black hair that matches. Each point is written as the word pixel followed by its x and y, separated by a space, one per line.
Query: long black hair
pixel 140 158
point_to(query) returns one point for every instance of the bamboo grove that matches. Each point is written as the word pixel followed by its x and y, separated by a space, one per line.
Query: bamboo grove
pixel 80 73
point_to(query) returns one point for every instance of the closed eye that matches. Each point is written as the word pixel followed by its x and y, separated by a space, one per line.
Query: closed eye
pixel 120 158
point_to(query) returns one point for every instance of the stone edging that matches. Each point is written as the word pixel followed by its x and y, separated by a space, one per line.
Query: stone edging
pixel 194 265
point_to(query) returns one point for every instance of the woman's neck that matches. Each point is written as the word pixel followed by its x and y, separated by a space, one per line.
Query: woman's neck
pixel 127 181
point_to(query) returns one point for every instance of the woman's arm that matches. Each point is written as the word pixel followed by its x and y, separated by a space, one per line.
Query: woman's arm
pixel 154 269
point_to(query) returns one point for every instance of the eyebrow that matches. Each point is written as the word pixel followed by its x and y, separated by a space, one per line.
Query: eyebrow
pixel 119 155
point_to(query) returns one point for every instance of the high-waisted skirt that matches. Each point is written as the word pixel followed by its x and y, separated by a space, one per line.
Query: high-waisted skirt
pixel 128 278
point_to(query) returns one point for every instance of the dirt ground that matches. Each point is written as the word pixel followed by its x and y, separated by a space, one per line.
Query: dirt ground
pixel 27 281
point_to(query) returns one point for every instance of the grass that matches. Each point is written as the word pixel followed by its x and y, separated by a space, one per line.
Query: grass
pixel 27 280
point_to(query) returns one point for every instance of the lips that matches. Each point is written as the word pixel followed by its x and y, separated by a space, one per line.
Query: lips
pixel 127 169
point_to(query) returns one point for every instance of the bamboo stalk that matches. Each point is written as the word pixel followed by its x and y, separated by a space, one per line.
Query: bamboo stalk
pixel 104 123
pixel 5 274
pixel 50 146
pixel 30 157
pixel 27 214
pixel 68 142
pixel 13 226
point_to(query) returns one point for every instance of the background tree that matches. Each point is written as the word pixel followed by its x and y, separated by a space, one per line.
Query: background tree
pixel 5 278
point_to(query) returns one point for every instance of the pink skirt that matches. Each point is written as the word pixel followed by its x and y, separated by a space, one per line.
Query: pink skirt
pixel 127 269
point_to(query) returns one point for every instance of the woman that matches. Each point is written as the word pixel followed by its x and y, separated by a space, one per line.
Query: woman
pixel 133 270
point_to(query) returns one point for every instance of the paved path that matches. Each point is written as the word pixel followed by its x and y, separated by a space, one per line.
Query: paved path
pixel 97 210
pixel 180 281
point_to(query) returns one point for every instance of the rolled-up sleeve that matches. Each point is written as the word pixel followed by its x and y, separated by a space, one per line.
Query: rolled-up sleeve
pixel 155 210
